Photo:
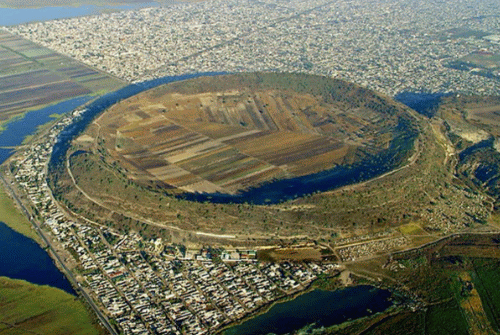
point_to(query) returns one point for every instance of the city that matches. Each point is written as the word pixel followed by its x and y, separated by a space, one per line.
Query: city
pixel 382 45
pixel 140 285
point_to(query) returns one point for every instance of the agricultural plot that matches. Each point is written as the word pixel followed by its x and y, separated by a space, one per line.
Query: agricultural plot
pixel 480 251
pixel 482 63
pixel 445 318
pixel 458 280
pixel 470 302
pixel 486 279
pixel 32 76
pixel 229 139
pixel 26 308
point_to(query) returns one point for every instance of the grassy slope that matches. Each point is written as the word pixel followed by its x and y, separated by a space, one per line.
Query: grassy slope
pixel 28 308
pixel 11 216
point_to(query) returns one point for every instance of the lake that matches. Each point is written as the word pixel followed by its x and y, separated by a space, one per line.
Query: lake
pixel 15 16
pixel 323 308
pixel 23 258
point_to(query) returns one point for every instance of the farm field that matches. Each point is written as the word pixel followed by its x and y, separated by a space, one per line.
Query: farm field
pixel 296 254
pixel 483 59
pixel 234 132
pixel 484 115
pixel 486 278
pixel 470 303
pixel 32 76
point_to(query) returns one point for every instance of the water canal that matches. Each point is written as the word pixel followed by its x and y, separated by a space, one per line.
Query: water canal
pixel 15 16
pixel 23 258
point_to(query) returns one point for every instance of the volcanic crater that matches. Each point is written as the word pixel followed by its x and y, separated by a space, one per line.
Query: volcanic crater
pixel 232 132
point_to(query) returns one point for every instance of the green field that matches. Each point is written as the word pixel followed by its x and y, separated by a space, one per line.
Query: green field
pixel 445 318
pixel 11 216
pixel 461 294
pixel 32 77
pixel 31 309
pixel 486 280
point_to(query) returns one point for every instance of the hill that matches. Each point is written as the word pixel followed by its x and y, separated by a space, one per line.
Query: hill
pixel 472 126
pixel 121 172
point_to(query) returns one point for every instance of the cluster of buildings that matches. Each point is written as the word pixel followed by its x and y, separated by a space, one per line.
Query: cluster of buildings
pixel 468 209
pixel 387 45
pixel 368 249
pixel 31 171
pixel 147 293
pixel 146 287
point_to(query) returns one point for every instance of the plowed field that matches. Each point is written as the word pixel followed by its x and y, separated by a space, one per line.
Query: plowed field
pixel 228 133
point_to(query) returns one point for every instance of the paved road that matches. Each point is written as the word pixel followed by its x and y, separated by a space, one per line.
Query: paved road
pixel 67 272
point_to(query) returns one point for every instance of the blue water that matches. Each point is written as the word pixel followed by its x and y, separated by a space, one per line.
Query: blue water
pixel 15 16
pixel 22 258
pixel 18 129
pixel 323 308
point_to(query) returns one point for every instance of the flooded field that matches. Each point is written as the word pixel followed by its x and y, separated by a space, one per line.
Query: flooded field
pixel 32 76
